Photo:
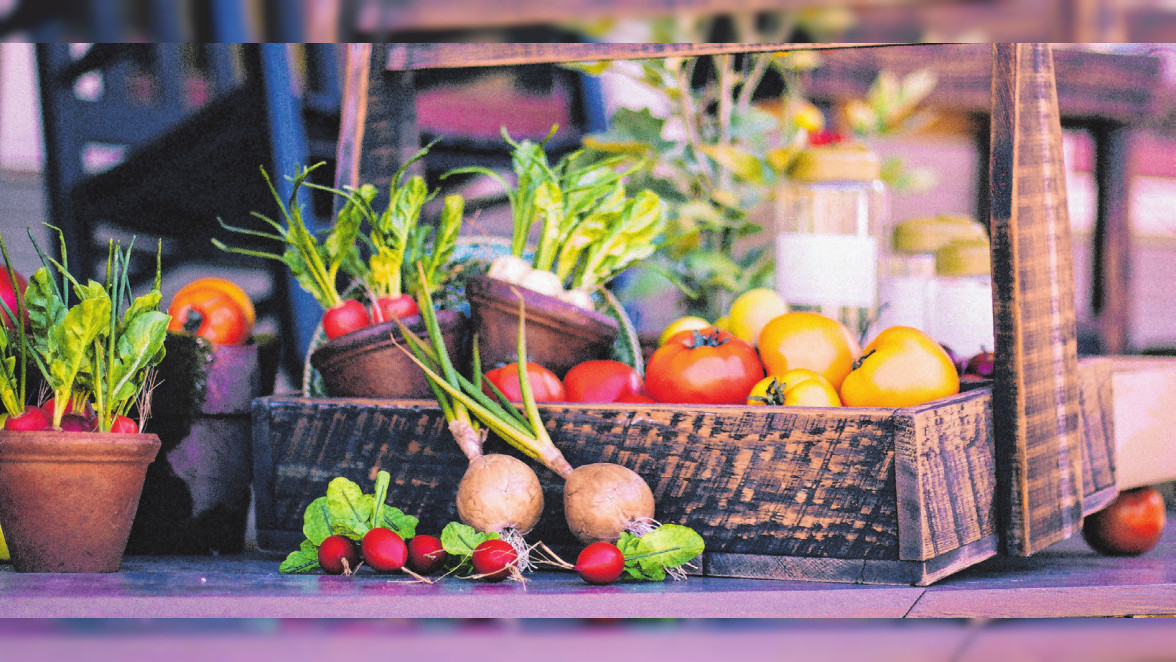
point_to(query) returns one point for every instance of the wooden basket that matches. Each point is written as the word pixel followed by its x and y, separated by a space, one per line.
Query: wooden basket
pixel 900 496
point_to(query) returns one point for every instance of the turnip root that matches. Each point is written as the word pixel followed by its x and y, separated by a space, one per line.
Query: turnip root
pixel 543 282
pixel 579 298
pixel 499 492
pixel 603 500
pixel 509 268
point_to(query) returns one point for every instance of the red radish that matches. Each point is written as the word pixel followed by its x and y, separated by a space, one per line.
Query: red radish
pixel 494 559
pixel 600 563
pixel 124 425
pixel 338 554
pixel 9 296
pixel 425 554
pixel 32 420
pixel 347 316
pixel 390 308
pixel 71 407
pixel 384 550
pixel 76 423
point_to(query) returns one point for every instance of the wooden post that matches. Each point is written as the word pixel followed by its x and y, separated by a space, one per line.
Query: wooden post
pixel 1035 397
pixel 1111 295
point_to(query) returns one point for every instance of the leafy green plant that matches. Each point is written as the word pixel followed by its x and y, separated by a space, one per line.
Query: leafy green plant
pixel 346 510
pixel 589 227
pixel 660 552
pixel 103 344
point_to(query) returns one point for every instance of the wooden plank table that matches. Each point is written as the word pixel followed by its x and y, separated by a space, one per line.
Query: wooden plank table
pixel 1067 579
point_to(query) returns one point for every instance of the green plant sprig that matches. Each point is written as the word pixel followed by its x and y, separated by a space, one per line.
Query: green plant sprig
pixel 314 265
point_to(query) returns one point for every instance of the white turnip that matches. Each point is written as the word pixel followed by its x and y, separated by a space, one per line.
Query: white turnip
pixel 602 500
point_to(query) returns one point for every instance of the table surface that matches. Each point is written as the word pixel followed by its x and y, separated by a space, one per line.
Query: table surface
pixel 1067 579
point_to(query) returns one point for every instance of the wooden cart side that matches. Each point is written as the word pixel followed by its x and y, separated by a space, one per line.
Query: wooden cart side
pixel 1035 396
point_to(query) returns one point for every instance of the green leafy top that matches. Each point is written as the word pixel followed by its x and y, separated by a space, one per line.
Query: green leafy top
pixel 590 229
pixel 105 344
pixel 314 264
pixel 666 548
pixel 346 510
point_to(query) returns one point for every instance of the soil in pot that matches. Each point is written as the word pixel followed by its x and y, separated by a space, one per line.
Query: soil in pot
pixel 67 499
pixel 559 334
pixel 367 363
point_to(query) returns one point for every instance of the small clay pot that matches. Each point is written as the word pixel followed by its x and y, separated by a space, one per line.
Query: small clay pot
pixel 366 363
pixel 559 334
pixel 67 499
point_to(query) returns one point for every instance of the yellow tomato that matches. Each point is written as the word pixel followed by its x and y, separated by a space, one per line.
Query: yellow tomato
pixel 3 548
pixel 808 340
pixel 902 367
pixel 723 323
pixel 795 388
pixel 681 324
pixel 752 310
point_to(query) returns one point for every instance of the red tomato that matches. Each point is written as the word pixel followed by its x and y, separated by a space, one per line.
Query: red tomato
pixel 636 398
pixel 211 313
pixel 545 386
pixel 602 381
pixel 344 318
pixel 9 296
pixel 390 308
pixel 1130 526
pixel 706 366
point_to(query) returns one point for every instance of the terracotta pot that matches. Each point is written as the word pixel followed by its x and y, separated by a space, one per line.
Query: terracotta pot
pixel 67 499
pixel 367 364
pixel 559 335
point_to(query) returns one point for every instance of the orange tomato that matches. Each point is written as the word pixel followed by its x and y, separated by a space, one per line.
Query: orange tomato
pixel 228 287
pixel 901 367
pixel 213 308
pixel 808 340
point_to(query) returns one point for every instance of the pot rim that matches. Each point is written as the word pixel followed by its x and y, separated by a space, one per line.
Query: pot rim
pixel 54 445
pixel 377 337
pixel 552 311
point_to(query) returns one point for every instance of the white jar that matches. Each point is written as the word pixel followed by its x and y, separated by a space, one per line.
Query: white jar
pixel 962 309
pixel 907 287
pixel 830 217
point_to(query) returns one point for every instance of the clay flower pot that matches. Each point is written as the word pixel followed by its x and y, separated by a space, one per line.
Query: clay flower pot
pixel 367 364
pixel 67 499
pixel 559 335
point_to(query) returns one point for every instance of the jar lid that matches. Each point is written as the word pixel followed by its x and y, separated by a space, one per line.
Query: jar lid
pixel 964 257
pixel 836 162
pixel 927 233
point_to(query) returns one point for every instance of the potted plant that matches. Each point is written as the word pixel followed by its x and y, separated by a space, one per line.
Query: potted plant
pixel 590 228
pixel 352 353
pixel 71 471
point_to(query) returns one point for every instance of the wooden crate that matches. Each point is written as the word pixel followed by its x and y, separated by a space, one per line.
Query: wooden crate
pixel 902 496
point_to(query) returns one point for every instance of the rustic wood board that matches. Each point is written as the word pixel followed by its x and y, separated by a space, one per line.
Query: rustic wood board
pixel 1035 395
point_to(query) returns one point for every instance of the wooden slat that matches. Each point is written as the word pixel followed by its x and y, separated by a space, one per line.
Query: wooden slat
pixel 357 60
pixel 945 474
pixel 1035 398
pixel 380 16
pixel 1090 86
pixel 1097 407
pixel 406 57
pixel 390 136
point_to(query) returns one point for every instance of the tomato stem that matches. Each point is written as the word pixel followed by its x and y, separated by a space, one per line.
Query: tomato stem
pixel 858 363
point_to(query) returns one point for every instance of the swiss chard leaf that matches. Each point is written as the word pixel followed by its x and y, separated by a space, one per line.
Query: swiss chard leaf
pixel 303 560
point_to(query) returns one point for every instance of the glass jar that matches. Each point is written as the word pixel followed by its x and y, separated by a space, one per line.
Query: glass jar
pixel 830 216
pixel 961 315
pixel 906 290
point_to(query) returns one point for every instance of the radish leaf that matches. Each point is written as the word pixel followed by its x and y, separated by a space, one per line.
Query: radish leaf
pixel 668 546
pixel 303 560
pixel 460 539
pixel 316 522
pixel 350 511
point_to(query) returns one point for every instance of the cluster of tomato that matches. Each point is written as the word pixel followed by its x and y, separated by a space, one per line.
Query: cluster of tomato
pixel 801 358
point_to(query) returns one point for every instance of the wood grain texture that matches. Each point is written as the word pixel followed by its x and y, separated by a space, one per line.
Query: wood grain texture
pixel 1035 397
pixel 407 57
pixel 1099 87
pixel 389 134
pixel 945 474
pixel 1097 408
